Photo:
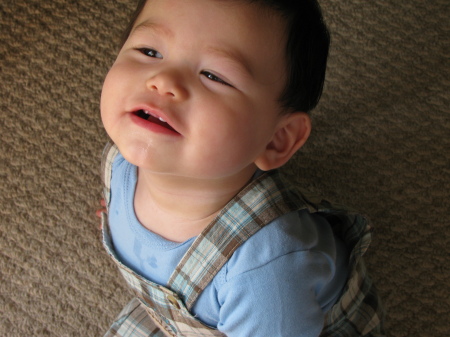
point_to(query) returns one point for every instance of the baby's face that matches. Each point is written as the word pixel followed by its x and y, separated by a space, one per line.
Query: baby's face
pixel 194 90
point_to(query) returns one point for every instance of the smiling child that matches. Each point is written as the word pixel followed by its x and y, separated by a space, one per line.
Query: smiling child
pixel 206 99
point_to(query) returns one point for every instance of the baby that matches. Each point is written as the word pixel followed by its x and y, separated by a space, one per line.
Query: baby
pixel 206 99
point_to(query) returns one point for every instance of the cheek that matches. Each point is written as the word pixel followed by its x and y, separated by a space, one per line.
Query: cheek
pixel 109 104
pixel 230 143
pixel 112 93
pixel 241 125
pixel 106 93
pixel 118 75
pixel 105 103
pixel 109 85
pixel 222 125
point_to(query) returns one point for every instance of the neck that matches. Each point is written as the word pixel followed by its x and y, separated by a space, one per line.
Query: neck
pixel 178 208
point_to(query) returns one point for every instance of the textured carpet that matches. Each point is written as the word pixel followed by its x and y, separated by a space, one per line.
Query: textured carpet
pixel 381 144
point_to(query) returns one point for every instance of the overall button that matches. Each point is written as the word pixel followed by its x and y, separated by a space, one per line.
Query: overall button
pixel 173 301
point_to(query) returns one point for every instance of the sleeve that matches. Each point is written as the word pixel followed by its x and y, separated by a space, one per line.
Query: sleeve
pixel 277 299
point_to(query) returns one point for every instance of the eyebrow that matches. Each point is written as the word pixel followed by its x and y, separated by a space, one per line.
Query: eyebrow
pixel 148 24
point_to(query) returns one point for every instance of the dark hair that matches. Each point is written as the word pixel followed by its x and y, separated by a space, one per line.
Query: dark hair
pixel 306 50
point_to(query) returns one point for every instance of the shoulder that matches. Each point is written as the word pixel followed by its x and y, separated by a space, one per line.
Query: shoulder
pixel 278 277
pixel 293 234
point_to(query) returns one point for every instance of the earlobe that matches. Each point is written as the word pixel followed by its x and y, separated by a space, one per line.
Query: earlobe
pixel 291 134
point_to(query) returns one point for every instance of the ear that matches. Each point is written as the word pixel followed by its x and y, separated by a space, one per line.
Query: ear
pixel 290 135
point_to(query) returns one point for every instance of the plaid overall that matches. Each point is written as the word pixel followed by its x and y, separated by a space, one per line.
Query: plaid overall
pixel 164 311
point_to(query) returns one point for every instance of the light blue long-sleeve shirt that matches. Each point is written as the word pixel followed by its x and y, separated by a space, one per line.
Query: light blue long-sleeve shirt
pixel 280 282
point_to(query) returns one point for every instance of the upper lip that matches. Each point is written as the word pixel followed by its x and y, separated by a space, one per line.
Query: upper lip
pixel 158 113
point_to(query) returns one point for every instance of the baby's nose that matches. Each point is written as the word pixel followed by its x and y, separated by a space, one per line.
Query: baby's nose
pixel 168 84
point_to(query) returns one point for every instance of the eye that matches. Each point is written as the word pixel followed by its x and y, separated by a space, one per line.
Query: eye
pixel 150 52
pixel 214 78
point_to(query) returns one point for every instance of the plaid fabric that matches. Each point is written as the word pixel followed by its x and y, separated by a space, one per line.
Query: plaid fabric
pixel 357 313
pixel 264 200
pixel 134 321
pixel 109 153
pixel 155 309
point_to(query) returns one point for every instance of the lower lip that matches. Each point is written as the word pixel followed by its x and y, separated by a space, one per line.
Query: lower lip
pixel 156 128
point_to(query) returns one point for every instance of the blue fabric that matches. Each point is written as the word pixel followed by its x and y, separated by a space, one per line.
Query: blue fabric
pixel 283 279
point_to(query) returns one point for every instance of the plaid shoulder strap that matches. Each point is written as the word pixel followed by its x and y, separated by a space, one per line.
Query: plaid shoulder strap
pixel 357 313
pixel 262 201
pixel 109 153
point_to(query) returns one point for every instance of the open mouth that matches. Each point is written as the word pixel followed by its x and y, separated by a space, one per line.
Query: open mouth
pixel 153 119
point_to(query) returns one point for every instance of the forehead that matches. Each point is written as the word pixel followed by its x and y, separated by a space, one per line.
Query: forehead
pixel 251 32
pixel 233 7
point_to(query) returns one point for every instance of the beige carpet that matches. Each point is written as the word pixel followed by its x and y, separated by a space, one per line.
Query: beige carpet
pixel 381 144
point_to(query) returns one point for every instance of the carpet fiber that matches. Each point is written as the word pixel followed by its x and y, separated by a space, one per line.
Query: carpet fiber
pixel 381 144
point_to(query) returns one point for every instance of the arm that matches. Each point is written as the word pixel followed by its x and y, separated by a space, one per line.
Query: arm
pixel 277 299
